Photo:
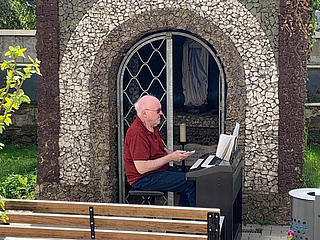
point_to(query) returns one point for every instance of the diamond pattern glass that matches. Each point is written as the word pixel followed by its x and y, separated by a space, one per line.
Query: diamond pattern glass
pixel 144 74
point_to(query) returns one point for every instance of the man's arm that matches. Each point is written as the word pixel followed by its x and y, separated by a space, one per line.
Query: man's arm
pixel 150 165
pixel 167 150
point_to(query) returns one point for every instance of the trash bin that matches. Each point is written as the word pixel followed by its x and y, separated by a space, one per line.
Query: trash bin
pixel 305 213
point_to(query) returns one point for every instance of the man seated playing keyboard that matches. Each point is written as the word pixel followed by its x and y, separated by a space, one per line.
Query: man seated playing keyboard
pixel 146 160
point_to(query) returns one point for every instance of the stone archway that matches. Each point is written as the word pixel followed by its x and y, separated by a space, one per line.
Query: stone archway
pixel 109 56
pixel 87 79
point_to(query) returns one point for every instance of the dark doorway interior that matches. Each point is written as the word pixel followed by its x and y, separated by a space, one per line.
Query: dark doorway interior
pixel 213 81
pixel 202 121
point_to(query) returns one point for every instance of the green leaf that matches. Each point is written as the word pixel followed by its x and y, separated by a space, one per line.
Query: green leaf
pixel 38 71
pixel 26 70
pixel 7 104
pixel 4 65
pixel 31 59
pixel 10 73
pixel 7 121
pixel 2 205
pixel 1 129
pixel 4 217
pixel 14 106
pixel 26 99
pixel 22 180
pixel 21 52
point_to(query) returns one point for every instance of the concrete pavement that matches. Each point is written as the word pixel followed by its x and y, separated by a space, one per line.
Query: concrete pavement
pixel 264 232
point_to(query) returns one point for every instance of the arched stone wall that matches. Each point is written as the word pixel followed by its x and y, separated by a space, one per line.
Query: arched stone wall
pixel 77 99
pixel 250 43
pixel 103 82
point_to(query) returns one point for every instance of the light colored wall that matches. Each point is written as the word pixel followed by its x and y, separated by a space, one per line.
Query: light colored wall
pixel 24 121
pixel 22 38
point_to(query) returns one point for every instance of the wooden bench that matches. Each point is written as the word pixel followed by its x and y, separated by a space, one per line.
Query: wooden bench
pixel 86 220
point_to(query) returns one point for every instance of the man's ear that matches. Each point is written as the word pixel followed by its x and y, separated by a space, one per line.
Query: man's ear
pixel 143 114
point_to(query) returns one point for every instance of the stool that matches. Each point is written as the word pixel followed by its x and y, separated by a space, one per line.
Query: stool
pixel 148 197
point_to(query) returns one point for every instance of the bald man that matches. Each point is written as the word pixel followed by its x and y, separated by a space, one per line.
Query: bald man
pixel 146 159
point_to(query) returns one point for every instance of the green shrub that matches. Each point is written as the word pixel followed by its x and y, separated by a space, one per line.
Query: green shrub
pixel 312 167
pixel 18 159
pixel 17 186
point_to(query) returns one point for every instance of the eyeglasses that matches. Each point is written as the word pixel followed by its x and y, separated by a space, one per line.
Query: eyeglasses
pixel 155 110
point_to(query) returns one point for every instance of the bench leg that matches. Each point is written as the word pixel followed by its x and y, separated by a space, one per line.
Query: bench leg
pixel 92 222
pixel 213 226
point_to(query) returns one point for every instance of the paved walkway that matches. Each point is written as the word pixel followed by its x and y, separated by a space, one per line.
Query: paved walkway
pixel 264 232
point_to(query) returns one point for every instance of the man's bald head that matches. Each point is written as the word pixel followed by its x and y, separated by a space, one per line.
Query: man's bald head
pixel 145 102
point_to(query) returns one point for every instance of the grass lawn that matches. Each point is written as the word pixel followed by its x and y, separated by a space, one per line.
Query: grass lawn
pixel 18 159
pixel 312 167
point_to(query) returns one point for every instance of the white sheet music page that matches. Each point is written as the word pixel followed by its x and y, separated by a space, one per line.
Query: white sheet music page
pixel 236 130
pixel 223 145
pixel 227 144
pixel 228 154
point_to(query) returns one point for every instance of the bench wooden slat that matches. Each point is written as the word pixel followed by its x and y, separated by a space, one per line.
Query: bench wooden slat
pixel 49 219
pixel 117 235
pixel 33 231
pixel 44 232
pixel 109 209
pixel 110 222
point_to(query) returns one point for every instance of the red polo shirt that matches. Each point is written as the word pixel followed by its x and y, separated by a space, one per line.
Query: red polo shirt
pixel 141 145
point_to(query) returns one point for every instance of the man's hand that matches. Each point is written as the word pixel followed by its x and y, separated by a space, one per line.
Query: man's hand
pixel 178 155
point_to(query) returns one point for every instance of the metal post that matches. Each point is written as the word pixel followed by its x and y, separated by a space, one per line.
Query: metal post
pixel 213 226
pixel 92 222
pixel 169 71
pixel 316 212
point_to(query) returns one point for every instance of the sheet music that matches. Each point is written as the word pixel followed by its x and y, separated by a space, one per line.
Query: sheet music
pixel 223 145
pixel 227 144
pixel 197 163
pixel 236 130
pixel 207 161
pixel 236 134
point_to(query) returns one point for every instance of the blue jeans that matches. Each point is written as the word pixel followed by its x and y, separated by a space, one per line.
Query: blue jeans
pixel 170 180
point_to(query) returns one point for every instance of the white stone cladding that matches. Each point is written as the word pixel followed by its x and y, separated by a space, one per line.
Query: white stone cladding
pixel 261 78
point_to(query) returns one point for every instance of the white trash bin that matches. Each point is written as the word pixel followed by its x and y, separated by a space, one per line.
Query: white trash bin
pixel 305 213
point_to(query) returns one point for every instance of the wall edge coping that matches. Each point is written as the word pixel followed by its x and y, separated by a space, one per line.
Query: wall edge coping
pixel 312 104
pixel 17 32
